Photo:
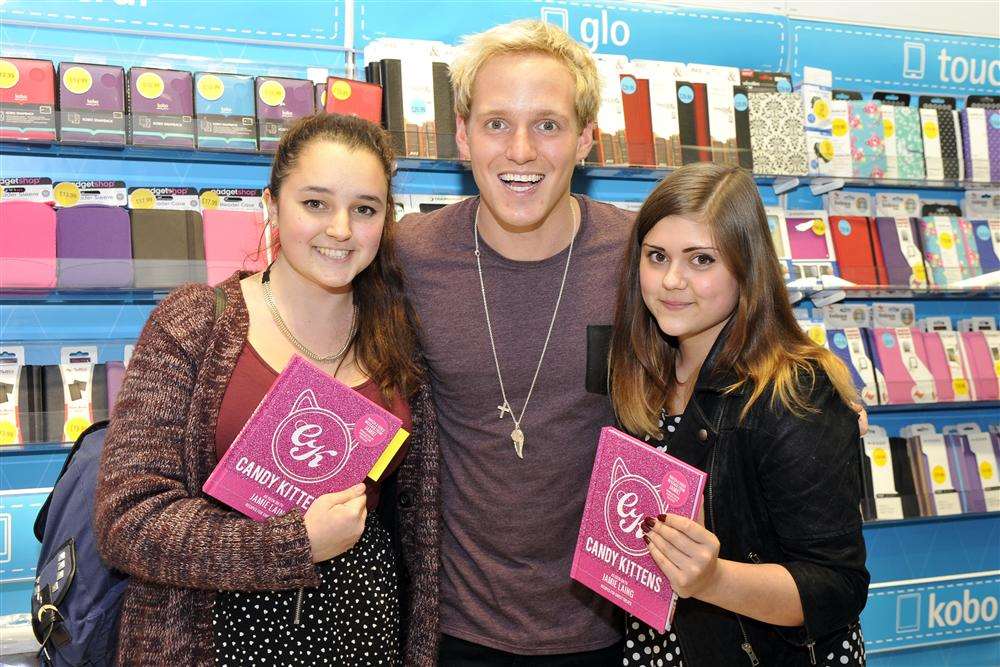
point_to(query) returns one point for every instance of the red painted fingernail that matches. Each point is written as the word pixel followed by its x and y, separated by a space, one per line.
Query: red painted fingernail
pixel 645 538
pixel 648 523
pixel 661 518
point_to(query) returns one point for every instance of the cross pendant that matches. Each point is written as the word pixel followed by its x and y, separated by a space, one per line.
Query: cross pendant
pixel 505 408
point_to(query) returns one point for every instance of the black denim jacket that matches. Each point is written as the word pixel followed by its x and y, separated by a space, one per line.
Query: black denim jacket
pixel 782 489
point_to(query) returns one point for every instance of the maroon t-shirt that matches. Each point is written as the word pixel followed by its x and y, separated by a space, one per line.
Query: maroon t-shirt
pixel 510 524
pixel 251 379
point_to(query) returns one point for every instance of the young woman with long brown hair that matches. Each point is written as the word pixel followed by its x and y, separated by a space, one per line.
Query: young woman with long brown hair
pixel 209 585
pixel 708 363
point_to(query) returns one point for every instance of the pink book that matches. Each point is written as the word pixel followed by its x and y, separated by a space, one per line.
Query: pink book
pixel 310 435
pixel 631 481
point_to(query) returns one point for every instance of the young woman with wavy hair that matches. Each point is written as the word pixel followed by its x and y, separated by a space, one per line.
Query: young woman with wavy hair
pixel 209 585
pixel 709 364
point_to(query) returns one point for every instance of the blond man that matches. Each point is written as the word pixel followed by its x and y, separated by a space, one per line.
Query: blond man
pixel 506 285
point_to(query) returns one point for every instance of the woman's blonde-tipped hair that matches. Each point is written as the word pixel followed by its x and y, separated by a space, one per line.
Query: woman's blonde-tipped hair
pixel 766 352
pixel 527 36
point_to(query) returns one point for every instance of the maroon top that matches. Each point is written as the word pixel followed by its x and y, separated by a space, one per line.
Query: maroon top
pixel 251 380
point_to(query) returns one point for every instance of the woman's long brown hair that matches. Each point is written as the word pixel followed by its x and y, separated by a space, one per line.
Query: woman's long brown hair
pixel 386 343
pixel 765 349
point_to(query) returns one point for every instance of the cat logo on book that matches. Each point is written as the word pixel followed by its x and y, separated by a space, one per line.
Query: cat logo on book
pixel 312 444
pixel 630 499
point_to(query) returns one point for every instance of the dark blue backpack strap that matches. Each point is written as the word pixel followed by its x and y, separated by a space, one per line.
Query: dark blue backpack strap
pixel 39 527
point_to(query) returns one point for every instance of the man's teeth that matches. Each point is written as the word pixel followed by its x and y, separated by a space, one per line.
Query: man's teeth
pixel 332 254
pixel 521 178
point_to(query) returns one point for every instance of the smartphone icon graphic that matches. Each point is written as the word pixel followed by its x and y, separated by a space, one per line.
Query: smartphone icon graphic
pixel 914 60
pixel 556 16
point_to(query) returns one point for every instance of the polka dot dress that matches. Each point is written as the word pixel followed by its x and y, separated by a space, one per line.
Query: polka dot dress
pixel 850 651
pixel 352 618
pixel 649 648
pixel 644 645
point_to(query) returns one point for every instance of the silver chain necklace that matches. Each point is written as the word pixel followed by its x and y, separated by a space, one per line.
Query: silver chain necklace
pixel 265 282
pixel 517 435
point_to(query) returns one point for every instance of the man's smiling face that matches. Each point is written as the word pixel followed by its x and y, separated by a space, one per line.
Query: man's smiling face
pixel 523 137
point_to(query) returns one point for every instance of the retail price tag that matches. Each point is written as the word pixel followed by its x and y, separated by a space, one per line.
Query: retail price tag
pixel 164 199
pixel 982 204
pixel 840 202
pixel 894 315
pixel 847 315
pixel 231 199
pixel 897 205
pixel 28 188
pixel 104 193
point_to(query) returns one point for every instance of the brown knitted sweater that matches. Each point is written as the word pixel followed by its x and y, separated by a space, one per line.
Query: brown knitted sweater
pixel 152 520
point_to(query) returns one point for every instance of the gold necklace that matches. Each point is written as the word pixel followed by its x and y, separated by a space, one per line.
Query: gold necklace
pixel 265 282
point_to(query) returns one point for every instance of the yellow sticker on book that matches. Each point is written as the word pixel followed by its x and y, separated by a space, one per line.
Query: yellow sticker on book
pixel 149 85
pixel 986 470
pixel 271 93
pixel 880 457
pixel 818 227
pixel 142 198
pixel 839 127
pixel 946 240
pixel 211 87
pixel 8 432
pixel 9 74
pixel 961 387
pixel 825 149
pixel 821 108
pixel 66 194
pixel 388 454
pixel 78 80
pixel 919 274
pixel 939 475
pixel 74 427
pixel 889 127
pixel 818 335
pixel 209 200
pixel 341 90
pixel 930 130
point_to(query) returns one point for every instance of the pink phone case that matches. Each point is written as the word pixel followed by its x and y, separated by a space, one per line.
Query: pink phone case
pixel 234 241
pixel 28 251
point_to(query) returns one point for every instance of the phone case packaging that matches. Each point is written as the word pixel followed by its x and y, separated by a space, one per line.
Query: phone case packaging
pixel 224 106
pixel 27 100
pixel 92 104
pixel 280 102
pixel 161 108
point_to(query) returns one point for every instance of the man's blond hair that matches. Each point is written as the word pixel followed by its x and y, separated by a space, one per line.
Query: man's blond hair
pixel 527 36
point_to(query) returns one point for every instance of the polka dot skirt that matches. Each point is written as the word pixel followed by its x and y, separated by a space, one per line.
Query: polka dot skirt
pixel 850 651
pixel 352 618
pixel 649 648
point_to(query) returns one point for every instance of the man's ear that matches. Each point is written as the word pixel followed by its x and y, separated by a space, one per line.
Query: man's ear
pixel 585 141
pixel 462 138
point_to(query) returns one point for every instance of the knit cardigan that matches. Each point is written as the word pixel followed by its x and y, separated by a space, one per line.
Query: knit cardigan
pixel 153 521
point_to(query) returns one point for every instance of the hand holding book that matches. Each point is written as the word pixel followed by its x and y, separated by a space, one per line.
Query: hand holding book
pixel 335 521
pixel 684 550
